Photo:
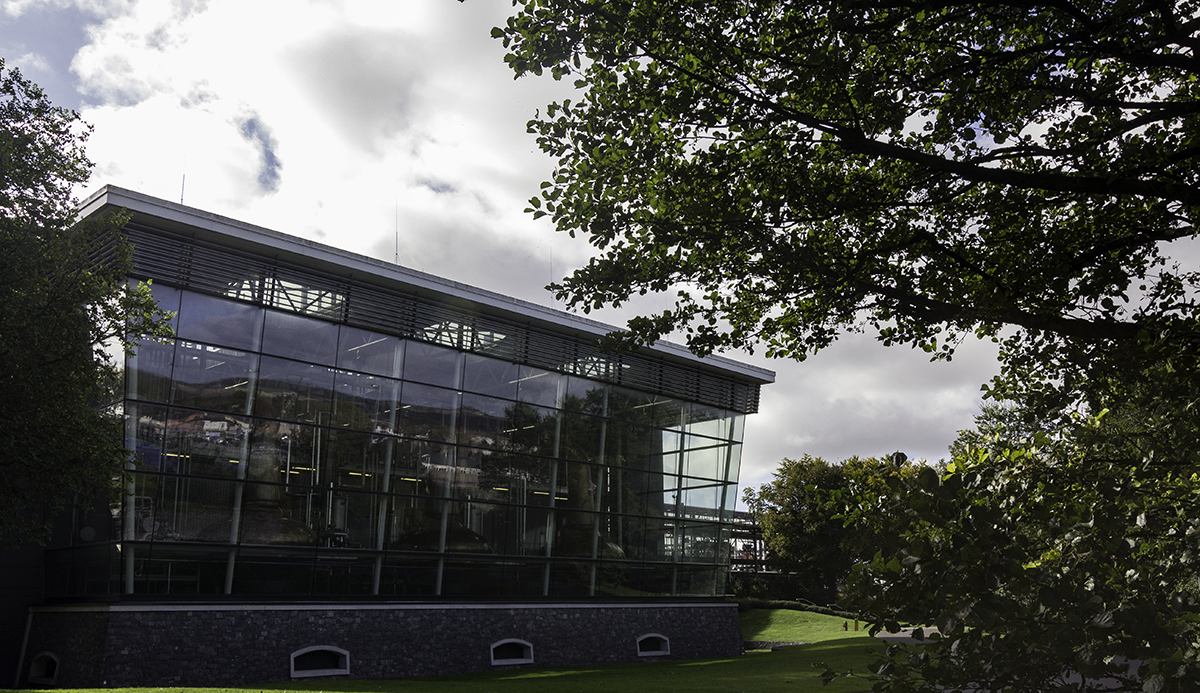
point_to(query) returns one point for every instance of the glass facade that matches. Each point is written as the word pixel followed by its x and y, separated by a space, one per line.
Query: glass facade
pixel 280 450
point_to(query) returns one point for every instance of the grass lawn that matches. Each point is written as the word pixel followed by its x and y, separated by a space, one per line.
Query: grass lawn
pixel 785 625
pixel 792 669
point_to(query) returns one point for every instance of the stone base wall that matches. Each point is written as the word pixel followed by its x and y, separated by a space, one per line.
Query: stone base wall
pixel 234 644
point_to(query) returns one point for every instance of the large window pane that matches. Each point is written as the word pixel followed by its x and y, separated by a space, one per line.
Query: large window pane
pixel 429 412
pixel 273 571
pixel 735 463
pixel 705 457
pixel 343 572
pixel 586 396
pixel 299 337
pixel 695 580
pixel 709 421
pixel 639 447
pixel 432 365
pixel 220 321
pixel 204 443
pixel 148 372
pixel 700 498
pixel 191 509
pixel 537 386
pixel 370 352
pixel 294 391
pixel 408 575
pixel 213 378
pixel 737 427
pixel 635 492
pixel 507 425
pixel 167 298
pixel 366 402
pixel 644 408
pixel 513 478
pixel 145 430
pixel 581 436
pixel 488 376
pixel 169 568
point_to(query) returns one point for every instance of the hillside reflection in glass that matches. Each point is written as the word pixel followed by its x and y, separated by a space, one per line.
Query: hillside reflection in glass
pixel 281 453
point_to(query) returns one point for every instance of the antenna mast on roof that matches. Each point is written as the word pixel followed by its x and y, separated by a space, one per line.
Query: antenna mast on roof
pixel 182 183
pixel 396 206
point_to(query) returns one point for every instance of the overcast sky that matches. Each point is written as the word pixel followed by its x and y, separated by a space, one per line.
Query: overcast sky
pixel 354 123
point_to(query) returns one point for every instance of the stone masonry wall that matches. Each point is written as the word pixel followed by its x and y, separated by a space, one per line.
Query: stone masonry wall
pixel 228 645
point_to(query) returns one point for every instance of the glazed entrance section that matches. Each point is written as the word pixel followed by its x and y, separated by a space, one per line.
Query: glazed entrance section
pixel 281 450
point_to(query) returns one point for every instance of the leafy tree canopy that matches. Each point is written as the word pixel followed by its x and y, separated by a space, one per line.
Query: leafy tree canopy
pixel 924 170
pixel 1045 563
pixel 65 304
pixel 802 514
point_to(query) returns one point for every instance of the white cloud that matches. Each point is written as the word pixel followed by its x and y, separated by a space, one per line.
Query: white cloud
pixel 34 62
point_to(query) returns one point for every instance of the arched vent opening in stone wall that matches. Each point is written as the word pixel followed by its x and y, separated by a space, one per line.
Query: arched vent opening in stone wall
pixel 653 645
pixel 512 651
pixel 320 660
pixel 44 668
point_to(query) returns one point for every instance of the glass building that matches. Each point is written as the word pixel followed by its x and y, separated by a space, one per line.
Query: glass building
pixel 326 425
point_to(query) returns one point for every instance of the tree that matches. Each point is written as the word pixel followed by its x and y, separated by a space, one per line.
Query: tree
pixel 802 514
pixel 1046 565
pixel 66 302
pixel 924 170
pixel 1025 172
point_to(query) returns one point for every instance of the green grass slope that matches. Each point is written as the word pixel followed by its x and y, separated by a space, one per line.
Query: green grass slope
pixel 786 625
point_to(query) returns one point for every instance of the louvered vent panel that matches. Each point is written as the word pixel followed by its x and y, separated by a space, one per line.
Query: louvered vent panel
pixel 380 311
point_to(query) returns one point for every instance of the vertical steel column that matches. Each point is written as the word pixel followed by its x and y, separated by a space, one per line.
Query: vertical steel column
pixel 386 502
pixel 239 488
pixel 603 476
pixel 452 464
pixel 559 397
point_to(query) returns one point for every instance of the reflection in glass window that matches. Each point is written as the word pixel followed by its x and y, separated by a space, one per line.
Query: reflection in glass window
pixel 644 408
pixel 366 402
pixel 580 436
pixel 294 391
pixel 204 443
pixel 709 421
pixel 700 498
pixel 537 386
pixel 432 365
pixel 429 412
pixel 737 427
pixel 698 542
pixel 301 338
pixel 220 321
pixel 506 425
pixel 735 462
pixel 488 376
pixel 213 378
pixel 585 389
pixel 148 372
pixel 167 299
pixel 145 429
pixel 705 458
pixel 370 352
